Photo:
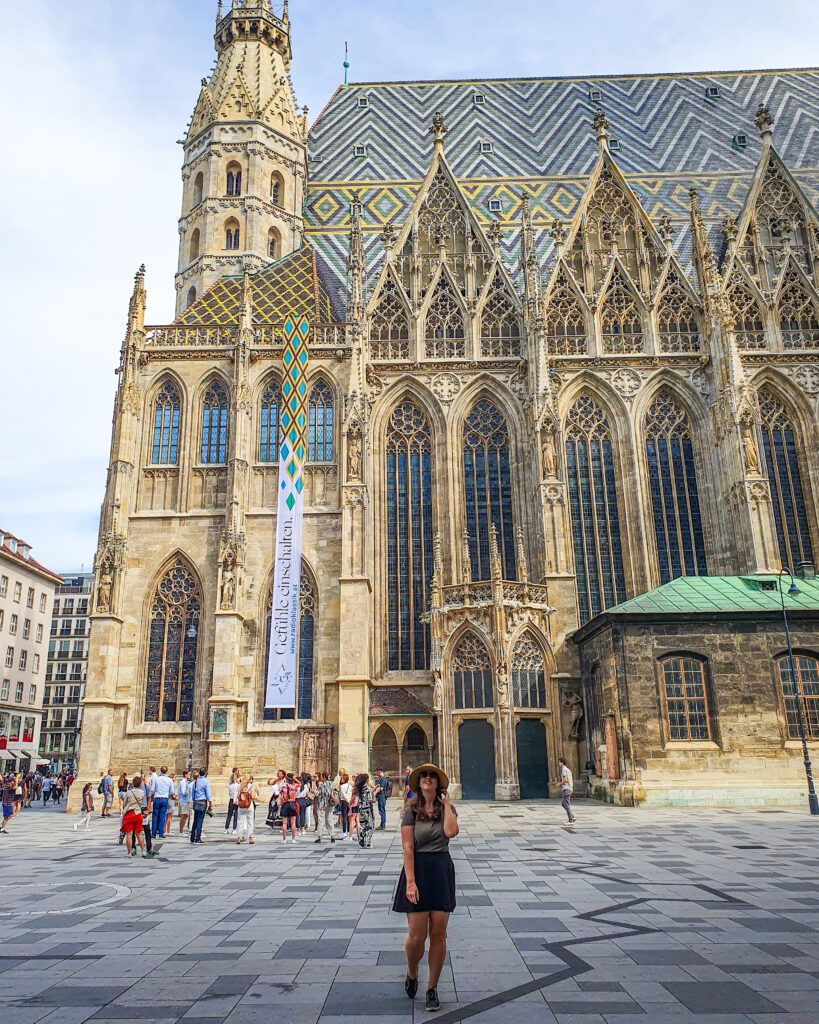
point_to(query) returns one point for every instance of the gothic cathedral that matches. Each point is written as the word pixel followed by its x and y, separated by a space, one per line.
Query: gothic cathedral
pixel 563 353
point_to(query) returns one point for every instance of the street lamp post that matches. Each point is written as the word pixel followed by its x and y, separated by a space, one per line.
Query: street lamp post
pixel 191 635
pixel 813 803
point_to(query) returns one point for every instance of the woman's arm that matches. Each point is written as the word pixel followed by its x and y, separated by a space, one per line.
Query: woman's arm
pixel 451 828
pixel 408 847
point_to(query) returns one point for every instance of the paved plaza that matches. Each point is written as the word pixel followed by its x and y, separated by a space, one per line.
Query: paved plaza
pixel 665 915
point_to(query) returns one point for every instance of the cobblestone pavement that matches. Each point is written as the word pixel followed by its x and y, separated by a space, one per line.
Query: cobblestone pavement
pixel 667 915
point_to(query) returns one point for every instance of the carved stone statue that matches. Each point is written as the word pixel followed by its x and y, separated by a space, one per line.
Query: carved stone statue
pixel 354 455
pixel 749 449
pixel 437 690
pixel 548 452
pixel 574 702
pixel 228 581
pixel 104 589
pixel 503 687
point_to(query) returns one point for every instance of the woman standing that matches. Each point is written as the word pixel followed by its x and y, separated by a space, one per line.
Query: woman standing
pixel 426 888
pixel 87 808
pixel 246 800
pixel 169 812
pixel 345 796
pixel 122 790
pixel 303 802
pixel 232 819
pixel 353 815
pixel 132 824
pixel 366 817
pixel 290 809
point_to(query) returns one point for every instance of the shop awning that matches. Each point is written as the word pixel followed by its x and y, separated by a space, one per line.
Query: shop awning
pixel 10 754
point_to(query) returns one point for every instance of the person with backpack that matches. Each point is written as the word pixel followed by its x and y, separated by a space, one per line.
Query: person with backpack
pixel 383 791
pixel 326 800
pixel 246 798
pixel 288 794
pixel 303 801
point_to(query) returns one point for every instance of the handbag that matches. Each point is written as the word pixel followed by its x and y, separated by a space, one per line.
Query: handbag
pixel 200 805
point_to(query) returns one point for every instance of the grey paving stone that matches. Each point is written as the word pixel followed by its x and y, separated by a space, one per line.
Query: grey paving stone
pixel 716 997
pixel 320 949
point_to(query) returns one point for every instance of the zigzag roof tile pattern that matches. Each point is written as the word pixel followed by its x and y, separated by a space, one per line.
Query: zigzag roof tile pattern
pixel 672 136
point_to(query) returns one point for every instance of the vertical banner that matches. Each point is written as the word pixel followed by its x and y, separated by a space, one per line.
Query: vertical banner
pixel 280 691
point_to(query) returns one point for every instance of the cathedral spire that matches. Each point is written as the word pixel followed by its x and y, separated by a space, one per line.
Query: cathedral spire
pixel 764 123
pixel 528 259
pixel 355 261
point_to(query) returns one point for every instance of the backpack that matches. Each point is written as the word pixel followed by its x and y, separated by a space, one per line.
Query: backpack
pixel 244 800
pixel 99 789
pixel 387 787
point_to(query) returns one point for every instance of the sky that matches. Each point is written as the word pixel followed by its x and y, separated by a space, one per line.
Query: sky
pixel 99 91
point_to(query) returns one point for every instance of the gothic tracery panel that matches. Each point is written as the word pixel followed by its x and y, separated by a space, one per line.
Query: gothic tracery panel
pixel 173 641
pixel 389 327
pixel 620 320
pixel 798 316
pixel 528 674
pixel 749 327
pixel 488 489
pixel 565 323
pixel 472 673
pixel 500 327
pixel 678 321
pixel 444 326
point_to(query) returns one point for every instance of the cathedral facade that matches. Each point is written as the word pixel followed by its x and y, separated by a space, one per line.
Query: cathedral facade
pixel 563 351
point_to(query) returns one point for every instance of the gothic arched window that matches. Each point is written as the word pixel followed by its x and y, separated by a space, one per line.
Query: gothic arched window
pixel 276 189
pixel 803 690
pixel 444 328
pixel 672 481
pixel 500 327
pixel 165 445
pixel 685 693
pixel 191 296
pixel 274 244
pixel 389 328
pixel 173 641
pixel 782 464
pixel 565 323
pixel 488 489
pixel 749 327
pixel 677 321
pixel 798 318
pixel 198 188
pixel 620 320
pixel 472 674
pixel 409 536
pixel 232 234
pixel 234 179
pixel 305 663
pixel 528 674
pixel 270 422
pixel 320 423
pixel 214 426
pixel 598 553
pixel 195 239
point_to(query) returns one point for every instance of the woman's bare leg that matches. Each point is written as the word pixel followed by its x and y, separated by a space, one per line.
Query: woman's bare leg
pixel 438 920
pixel 417 927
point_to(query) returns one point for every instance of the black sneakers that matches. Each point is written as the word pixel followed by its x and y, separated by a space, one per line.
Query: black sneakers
pixel 432 1000
pixel 411 986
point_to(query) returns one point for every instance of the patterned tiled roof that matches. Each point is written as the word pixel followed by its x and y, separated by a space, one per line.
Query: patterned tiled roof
pixel 396 700
pixel 290 285
pixel 671 137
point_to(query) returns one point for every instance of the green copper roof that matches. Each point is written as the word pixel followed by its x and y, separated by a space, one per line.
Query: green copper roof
pixel 715 594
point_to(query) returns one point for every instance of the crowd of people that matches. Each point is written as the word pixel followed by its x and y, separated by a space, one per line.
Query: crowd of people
pixel 21 790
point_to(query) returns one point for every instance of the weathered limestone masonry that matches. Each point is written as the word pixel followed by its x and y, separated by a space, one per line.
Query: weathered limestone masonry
pixel 563 351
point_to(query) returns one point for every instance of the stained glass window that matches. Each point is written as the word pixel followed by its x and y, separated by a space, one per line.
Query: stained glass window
pixel 805 690
pixel 320 423
pixel 488 489
pixel 598 553
pixel 270 422
pixel 173 641
pixel 528 674
pixel 472 674
pixel 165 447
pixel 672 481
pixel 782 464
pixel 214 425
pixel 409 536
pixel 686 700
pixel 305 662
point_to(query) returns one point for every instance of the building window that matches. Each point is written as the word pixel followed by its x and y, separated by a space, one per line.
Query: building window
pixel 191 297
pixel 389 327
pixel 804 691
pixel 270 422
pixel 472 674
pixel 172 646
pixel 23 661
pixel 320 423
pixel 32 694
pixel 213 449
pixel 18 693
pixel 26 628
pixel 276 189
pixel 528 674
pixel 165 447
pixel 38 633
pixel 444 328
pixel 234 180
pixel 598 553
pixel 787 496
pixel 620 320
pixel 198 188
pixel 9 657
pixel 274 245
pixel 305 662
pixel 35 663
pixel 30 598
pixel 488 489
pixel 195 240
pixel 2 617
pixel 43 600
pixel 232 234
pixel 672 481
pixel 409 536
pixel 686 701
pixel 500 327
pixel 4 689
pixel 4 585
pixel 13 622
pixel 18 592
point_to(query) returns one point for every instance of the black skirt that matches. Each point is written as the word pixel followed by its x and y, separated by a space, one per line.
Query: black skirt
pixel 435 878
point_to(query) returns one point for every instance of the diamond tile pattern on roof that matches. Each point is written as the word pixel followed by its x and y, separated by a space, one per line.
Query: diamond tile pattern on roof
pixel 396 700
pixel 290 286
pixel 720 594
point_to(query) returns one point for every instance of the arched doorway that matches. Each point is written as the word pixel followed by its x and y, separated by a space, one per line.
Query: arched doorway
pixel 533 763
pixel 476 741
pixel 385 751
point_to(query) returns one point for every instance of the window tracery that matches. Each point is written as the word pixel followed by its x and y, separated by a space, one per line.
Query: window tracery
pixel 389 327
pixel 444 327
pixel 500 327
pixel 785 479
pixel 678 321
pixel 165 446
pixel 778 219
pixel 672 479
pixel 172 646
pixel 593 501
pixel 472 673
pixel 213 449
pixel 320 423
pixel 620 320
pixel 565 323
pixel 798 318
pixel 528 674
pixel 488 489
pixel 305 661
pixel 749 327
pixel 270 422
pixel 408 535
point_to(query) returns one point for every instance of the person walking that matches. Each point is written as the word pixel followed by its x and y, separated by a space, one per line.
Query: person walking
pixel 183 797
pixel 325 794
pixel 409 794
pixel 566 789
pixel 18 794
pixel 7 787
pixel 232 819
pixel 46 789
pixel 132 819
pixel 303 802
pixel 107 793
pixel 366 817
pixel 290 809
pixel 86 808
pixel 426 886
pixel 383 789
pixel 172 799
pixel 162 791
pixel 56 789
pixel 122 790
pixel 345 796
pixel 354 823
pixel 246 799
pixel 202 803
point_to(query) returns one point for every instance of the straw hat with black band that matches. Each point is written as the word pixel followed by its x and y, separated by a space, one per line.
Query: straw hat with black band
pixel 443 780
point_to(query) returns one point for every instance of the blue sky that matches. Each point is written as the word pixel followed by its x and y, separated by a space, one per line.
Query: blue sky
pixel 98 91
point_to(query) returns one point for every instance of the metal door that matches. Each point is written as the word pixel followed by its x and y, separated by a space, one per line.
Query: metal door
pixel 476 740
pixel 533 765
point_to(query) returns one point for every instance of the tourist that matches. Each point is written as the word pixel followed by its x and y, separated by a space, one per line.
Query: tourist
pixel 47 789
pixel 566 787
pixel 147 815
pixel 426 887
pixel 162 791
pixel 354 824
pixel 183 795
pixel 246 798
pixel 366 818
pixel 169 813
pixel 303 803
pixel 86 807
pixel 107 794
pixel 7 785
pixel 202 804
pixel 232 819
pixel 345 797
pixel 132 818
pixel 290 809
pixel 326 799
pixel 314 784
pixel 122 790
pixel 18 793
pixel 383 789
pixel 408 793
pixel 58 788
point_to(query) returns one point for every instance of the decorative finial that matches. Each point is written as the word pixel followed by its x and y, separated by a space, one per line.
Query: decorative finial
pixel 495 234
pixel 140 274
pixel 494 554
pixel 285 12
pixel 729 228
pixel 219 12
pixel 764 122
pixel 467 558
pixel 388 235
pixel 523 568
pixel 557 230
pixel 346 64
pixel 438 128
pixel 601 126
pixel 438 558
pixel 666 229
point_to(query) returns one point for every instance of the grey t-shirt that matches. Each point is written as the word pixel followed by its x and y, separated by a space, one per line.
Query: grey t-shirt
pixel 429 835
